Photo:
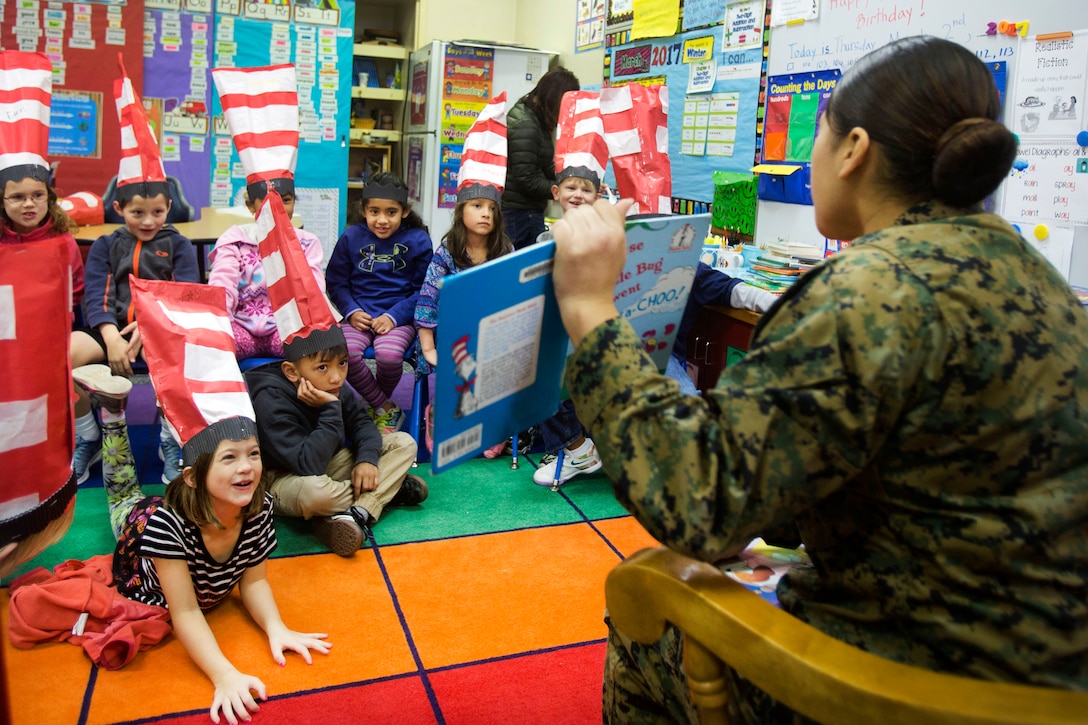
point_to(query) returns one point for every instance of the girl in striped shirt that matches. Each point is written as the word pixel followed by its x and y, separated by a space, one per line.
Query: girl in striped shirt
pixel 212 529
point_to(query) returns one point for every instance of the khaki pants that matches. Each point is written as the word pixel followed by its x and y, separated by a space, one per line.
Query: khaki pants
pixel 308 496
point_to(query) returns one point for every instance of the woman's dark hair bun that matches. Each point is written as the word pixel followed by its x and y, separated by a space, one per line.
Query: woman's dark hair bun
pixel 971 159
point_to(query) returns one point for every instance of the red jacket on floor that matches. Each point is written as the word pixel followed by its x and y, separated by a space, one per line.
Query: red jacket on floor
pixel 47 606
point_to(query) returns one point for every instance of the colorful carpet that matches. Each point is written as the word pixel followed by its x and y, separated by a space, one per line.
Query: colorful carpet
pixel 482 605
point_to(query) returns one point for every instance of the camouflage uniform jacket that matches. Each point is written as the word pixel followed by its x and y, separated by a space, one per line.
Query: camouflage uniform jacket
pixel 917 406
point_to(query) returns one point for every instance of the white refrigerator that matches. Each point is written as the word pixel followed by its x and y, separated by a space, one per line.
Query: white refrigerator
pixel 449 82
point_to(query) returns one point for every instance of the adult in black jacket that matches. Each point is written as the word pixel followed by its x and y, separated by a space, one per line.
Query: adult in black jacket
pixel 530 172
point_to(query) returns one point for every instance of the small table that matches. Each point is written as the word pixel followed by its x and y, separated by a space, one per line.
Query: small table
pixel 203 233
pixel 719 338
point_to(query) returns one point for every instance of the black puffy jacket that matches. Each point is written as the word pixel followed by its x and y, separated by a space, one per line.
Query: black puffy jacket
pixel 530 170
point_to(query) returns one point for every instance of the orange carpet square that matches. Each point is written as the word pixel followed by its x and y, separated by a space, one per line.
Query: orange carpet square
pixel 626 534
pixel 499 594
pixel 345 598
pixel 33 676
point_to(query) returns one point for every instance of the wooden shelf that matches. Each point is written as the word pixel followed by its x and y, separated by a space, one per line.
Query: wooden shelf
pixel 379 94
pixel 378 134
pixel 381 50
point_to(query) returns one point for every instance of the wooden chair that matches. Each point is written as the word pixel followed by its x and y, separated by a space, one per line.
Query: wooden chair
pixel 828 680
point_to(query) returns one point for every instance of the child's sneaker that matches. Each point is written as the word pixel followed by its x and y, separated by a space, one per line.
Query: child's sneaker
pixel 363 520
pixel 412 492
pixel 339 533
pixel 170 455
pixel 573 465
pixel 390 421
pixel 88 452
pixel 108 391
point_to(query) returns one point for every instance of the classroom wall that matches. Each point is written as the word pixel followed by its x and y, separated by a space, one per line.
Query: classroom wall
pixel 551 26
pixel 488 20
pixel 548 26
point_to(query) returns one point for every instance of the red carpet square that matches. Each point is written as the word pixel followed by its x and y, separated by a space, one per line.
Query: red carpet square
pixel 563 686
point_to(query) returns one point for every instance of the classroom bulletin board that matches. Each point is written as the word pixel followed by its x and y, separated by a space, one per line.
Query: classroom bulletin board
pixel 176 37
pixel 712 68
pixel 82 39
pixel 319 41
pixel 845 30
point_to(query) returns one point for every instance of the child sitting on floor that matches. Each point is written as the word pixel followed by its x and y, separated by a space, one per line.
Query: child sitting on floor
pixel 305 413
pixel 213 528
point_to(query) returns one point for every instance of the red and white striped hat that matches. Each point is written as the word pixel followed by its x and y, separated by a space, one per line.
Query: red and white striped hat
pixel 36 429
pixel 460 349
pixel 303 317
pixel 261 108
pixel 580 146
pixel 189 347
pixel 26 82
pixel 636 127
pixel 141 172
pixel 483 158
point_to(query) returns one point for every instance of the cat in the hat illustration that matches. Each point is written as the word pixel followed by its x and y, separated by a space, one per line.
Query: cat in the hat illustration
pixel 465 366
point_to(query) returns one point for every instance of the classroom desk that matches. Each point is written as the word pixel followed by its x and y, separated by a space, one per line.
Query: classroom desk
pixel 719 338
pixel 203 232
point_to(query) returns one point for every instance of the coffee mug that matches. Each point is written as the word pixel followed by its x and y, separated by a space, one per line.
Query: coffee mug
pixel 730 261
pixel 751 253
pixel 709 257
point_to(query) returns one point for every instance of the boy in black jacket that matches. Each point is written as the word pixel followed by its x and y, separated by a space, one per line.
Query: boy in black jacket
pixel 305 415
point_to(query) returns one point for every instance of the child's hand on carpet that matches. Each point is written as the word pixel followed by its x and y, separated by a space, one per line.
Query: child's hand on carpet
pixel 297 642
pixel 234 696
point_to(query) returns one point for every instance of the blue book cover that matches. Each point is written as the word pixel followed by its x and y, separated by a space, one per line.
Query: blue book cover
pixel 501 345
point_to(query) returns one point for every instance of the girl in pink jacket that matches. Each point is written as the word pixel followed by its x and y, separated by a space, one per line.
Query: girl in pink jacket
pixel 236 267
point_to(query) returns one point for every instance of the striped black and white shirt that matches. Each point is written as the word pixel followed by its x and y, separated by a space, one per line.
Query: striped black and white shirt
pixel 153 531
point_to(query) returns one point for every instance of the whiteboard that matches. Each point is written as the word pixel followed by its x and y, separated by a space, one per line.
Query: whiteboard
pixel 848 29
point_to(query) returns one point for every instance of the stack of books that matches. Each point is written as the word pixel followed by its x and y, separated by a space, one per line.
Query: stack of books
pixel 781 263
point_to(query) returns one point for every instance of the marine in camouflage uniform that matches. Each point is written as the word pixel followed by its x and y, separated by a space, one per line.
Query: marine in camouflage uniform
pixel 917 406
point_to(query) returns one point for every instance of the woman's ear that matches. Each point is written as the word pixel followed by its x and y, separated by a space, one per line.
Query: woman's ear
pixel 189 476
pixel 407 210
pixel 854 151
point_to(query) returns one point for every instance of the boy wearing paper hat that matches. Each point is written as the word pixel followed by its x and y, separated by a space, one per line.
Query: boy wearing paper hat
pixel 145 246
pixel 305 411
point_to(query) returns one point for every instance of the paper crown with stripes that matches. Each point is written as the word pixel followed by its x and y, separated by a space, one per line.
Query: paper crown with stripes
pixel 635 121
pixel 580 147
pixel 483 157
pixel 36 430
pixel 140 172
pixel 303 317
pixel 261 108
pixel 26 81
pixel 189 346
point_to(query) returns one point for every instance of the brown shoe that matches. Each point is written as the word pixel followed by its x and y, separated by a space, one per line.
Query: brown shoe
pixel 339 533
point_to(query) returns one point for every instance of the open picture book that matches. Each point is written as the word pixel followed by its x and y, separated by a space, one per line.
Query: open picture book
pixel 501 345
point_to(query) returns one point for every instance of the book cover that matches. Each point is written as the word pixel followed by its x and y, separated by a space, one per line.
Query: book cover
pixel 501 345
